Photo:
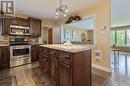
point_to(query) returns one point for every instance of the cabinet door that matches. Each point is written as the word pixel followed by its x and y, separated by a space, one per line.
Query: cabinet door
pixel 14 21
pixel 24 22
pixel 6 26
pixel 34 52
pixel 65 76
pixel 45 61
pixel 4 57
pixel 35 27
pixel 54 69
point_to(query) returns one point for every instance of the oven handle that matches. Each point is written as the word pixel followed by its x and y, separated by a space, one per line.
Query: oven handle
pixel 21 47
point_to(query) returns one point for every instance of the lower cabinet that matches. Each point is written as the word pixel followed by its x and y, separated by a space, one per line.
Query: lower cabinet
pixel 65 76
pixel 65 68
pixel 54 68
pixel 34 52
pixel 45 61
pixel 4 56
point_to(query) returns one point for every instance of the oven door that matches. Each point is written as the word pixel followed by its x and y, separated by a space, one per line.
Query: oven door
pixel 20 51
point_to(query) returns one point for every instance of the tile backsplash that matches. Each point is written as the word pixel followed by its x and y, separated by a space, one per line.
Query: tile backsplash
pixel 4 40
pixel 34 40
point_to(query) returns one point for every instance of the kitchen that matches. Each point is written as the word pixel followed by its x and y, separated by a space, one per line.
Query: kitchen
pixel 22 47
pixel 16 34
pixel 40 47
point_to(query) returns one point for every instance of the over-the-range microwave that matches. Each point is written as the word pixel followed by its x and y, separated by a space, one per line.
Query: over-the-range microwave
pixel 19 30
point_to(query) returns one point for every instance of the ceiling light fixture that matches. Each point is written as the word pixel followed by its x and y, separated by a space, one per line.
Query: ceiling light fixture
pixel 62 10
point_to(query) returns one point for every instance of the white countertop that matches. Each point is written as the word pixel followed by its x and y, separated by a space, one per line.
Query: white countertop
pixel 72 49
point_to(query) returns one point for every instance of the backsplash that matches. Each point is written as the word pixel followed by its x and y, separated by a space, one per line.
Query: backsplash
pixel 34 40
pixel 4 40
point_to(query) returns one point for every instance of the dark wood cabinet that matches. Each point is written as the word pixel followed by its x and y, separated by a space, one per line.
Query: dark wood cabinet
pixel 54 65
pixel 34 24
pixel 15 21
pixel 4 56
pixel 45 61
pixel 24 22
pixel 35 27
pixel 4 26
pixel 19 21
pixel 34 52
pixel 65 68
pixel 6 22
pixel 65 76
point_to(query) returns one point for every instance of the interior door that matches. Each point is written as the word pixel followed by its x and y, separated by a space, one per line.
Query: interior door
pixel 50 36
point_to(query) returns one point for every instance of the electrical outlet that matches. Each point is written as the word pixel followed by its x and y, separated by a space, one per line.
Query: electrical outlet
pixel 98 55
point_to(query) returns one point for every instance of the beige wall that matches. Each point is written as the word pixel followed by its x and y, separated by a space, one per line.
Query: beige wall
pixel 102 12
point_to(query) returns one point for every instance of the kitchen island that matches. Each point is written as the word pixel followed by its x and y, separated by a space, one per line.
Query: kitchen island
pixel 66 65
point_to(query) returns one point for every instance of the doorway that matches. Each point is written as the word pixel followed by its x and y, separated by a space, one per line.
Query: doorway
pixel 50 36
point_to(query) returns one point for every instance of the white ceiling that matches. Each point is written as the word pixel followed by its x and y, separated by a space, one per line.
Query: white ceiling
pixel 120 12
pixel 45 9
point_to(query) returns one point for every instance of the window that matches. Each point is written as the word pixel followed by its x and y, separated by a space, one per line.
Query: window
pixel 113 37
pixel 128 37
pixel 120 37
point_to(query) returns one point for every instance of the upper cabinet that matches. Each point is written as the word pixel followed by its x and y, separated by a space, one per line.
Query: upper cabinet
pixel 4 26
pixel 6 22
pixel 35 27
pixel 19 22
pixel 14 21
pixel 24 22
pixel 34 24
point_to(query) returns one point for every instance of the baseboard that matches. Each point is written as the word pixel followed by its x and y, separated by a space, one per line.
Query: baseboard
pixel 106 69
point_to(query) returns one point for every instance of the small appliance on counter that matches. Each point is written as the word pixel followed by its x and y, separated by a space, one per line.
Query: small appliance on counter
pixel 20 50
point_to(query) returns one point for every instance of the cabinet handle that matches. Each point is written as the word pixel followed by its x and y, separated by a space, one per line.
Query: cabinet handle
pixel 65 65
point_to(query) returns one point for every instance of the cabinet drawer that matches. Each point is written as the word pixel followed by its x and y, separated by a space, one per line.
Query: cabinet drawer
pixel 65 60
pixel 65 56
pixel 44 59
pixel 68 66
pixel 44 50
pixel 54 54
pixel 43 55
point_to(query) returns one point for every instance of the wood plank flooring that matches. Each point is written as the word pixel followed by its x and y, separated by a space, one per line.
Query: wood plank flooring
pixel 30 75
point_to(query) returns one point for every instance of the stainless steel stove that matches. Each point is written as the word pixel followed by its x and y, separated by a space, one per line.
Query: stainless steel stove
pixel 20 51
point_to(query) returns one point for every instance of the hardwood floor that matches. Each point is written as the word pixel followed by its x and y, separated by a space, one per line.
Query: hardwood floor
pixel 30 75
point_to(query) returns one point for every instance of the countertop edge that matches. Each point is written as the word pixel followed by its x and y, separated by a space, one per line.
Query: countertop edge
pixel 46 46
